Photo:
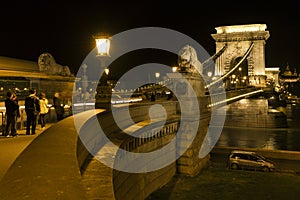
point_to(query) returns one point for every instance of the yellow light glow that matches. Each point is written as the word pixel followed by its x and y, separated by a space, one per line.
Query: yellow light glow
pixel 209 74
pixel 106 71
pixel 241 28
pixel 272 69
pixel 157 74
pixel 103 45
pixel 174 69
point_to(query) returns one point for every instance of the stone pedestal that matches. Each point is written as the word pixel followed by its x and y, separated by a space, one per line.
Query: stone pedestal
pixel 195 117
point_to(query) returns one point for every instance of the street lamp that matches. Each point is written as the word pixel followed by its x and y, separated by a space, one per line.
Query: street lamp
pixel 106 71
pixel 233 80
pixel 209 74
pixel 102 44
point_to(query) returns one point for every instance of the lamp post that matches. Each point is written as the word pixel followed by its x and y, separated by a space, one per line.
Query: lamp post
pixel 106 70
pixel 103 47
pixel 233 82
pixel 240 76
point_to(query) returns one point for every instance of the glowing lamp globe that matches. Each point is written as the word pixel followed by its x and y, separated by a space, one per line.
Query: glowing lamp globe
pixel 103 45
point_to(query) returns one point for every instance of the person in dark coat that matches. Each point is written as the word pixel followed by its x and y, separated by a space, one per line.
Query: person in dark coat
pixel 152 96
pixel 58 106
pixel 12 112
pixel 32 109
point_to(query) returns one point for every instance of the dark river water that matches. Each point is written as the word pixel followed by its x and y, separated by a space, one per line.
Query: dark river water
pixel 266 138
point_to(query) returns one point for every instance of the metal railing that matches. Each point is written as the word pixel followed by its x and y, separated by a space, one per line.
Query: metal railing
pixel 21 121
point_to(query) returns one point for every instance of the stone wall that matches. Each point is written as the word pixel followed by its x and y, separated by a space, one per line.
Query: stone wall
pixel 128 185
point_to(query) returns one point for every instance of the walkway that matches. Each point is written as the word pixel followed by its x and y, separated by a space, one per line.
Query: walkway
pixel 12 147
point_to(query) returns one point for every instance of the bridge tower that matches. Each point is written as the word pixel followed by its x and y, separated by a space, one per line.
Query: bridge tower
pixel 250 67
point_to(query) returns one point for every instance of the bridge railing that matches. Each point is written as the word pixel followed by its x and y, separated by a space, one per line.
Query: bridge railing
pixel 131 185
pixel 233 95
pixel 21 121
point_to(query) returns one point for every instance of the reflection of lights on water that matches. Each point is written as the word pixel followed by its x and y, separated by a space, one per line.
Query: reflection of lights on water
pixel 242 143
pixel 224 140
pixel 270 144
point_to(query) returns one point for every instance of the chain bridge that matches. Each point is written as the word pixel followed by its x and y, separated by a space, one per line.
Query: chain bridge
pixel 128 151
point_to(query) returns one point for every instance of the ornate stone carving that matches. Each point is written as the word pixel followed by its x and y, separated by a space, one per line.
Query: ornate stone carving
pixel 188 60
pixel 48 65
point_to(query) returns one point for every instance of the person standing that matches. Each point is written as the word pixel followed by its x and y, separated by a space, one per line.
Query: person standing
pixel 44 110
pixel 32 109
pixel 12 112
pixel 57 104
pixel 152 96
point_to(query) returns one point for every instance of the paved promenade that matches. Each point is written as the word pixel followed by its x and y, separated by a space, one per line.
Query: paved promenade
pixel 12 147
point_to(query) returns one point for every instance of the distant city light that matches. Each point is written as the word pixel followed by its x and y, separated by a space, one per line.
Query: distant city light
pixel 174 69
pixel 209 74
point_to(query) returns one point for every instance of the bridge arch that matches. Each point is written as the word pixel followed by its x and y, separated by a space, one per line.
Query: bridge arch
pixel 237 38
pixel 243 67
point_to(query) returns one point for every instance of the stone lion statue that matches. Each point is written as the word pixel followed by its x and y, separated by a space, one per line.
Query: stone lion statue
pixel 188 60
pixel 48 65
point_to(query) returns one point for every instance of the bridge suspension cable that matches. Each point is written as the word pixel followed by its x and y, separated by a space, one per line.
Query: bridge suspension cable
pixel 233 69
pixel 215 56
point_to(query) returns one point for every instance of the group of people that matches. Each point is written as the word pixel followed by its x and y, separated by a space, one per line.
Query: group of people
pixel 36 108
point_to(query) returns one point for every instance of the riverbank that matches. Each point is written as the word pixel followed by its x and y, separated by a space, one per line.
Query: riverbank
pixel 217 182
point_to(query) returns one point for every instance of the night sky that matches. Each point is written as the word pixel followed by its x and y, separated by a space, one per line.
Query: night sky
pixel 65 29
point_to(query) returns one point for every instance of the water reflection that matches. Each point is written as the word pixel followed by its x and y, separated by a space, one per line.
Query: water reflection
pixel 266 138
